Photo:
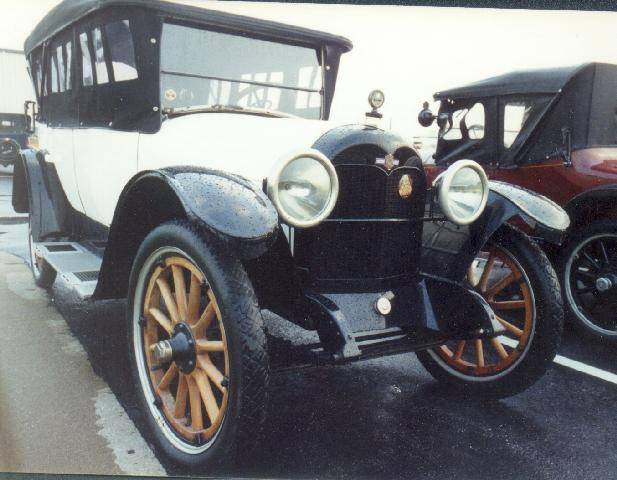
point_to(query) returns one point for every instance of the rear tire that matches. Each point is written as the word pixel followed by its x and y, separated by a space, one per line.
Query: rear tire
pixel 533 334
pixel 191 436
pixel 44 275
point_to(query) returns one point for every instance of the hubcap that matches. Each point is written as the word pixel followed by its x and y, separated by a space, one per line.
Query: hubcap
pixel 498 277
pixel 180 348
pixel 604 284
pixel 182 351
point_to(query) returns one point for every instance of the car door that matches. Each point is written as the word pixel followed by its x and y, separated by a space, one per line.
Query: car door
pixel 105 150
pixel 56 93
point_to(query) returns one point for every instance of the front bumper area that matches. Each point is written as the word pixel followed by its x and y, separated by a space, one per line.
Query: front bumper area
pixel 415 317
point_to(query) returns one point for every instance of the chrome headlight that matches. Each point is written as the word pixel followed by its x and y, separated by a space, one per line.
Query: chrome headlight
pixel 462 191
pixel 303 188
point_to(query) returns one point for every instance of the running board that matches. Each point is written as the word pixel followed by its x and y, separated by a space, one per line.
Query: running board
pixel 77 263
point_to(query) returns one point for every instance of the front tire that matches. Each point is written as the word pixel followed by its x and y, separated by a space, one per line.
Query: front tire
pixel 519 283
pixel 588 267
pixel 206 405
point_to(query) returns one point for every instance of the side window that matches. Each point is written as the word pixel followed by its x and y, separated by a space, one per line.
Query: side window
pixel 54 73
pixel 474 121
pixel 514 117
pixel 87 77
pixel 469 120
pixel 99 57
pixel 36 71
pixel 59 54
pixel 68 48
pixel 121 50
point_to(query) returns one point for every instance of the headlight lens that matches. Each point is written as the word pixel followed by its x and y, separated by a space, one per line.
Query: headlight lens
pixel 304 189
pixel 463 192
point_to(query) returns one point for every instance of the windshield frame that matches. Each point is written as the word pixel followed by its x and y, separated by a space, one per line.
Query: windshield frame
pixel 320 52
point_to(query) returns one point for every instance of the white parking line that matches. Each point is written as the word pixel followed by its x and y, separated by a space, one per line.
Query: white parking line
pixel 573 364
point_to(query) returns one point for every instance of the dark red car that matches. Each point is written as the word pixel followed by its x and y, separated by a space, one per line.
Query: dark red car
pixel 553 131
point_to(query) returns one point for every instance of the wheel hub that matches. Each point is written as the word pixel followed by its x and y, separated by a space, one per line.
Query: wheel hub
pixel 180 348
pixel 604 284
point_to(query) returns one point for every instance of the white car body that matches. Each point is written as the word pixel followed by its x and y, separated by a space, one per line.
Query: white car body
pixel 95 164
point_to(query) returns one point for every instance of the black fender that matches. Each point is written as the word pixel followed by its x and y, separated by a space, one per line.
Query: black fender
pixel 597 202
pixel 225 207
pixel 449 249
pixel 344 137
pixel 37 190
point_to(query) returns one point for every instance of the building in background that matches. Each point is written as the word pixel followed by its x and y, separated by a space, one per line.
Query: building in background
pixel 15 89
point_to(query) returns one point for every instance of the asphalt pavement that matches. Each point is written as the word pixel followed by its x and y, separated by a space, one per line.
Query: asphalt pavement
pixel 67 404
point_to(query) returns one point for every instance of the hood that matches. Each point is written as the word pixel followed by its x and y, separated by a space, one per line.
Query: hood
pixel 247 145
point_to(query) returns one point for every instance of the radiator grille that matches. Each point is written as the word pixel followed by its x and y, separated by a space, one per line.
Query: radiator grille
pixel 372 233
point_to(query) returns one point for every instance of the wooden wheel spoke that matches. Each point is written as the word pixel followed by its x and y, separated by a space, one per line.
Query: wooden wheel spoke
pixel 181 397
pixel 508 305
pixel 207 395
pixel 471 275
pixel 500 285
pixel 204 362
pixel 479 353
pixel 486 273
pixel 169 376
pixel 197 421
pixel 168 299
pixel 180 290
pixel 194 300
pixel 459 350
pixel 205 320
pixel 499 348
pixel 509 327
pixel 162 319
pixel 210 346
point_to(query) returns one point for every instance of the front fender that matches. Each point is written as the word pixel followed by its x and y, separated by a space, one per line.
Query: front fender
pixel 449 249
pixel 229 206
pixel 534 208
pixel 224 206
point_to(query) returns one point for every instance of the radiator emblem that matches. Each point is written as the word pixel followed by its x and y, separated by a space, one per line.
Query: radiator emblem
pixel 389 162
pixel 405 187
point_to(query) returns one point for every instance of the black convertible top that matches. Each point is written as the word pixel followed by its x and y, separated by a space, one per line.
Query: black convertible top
pixel 70 11
pixel 580 100
pixel 547 80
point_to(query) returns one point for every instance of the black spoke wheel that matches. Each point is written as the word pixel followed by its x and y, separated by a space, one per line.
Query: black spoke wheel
pixel 589 278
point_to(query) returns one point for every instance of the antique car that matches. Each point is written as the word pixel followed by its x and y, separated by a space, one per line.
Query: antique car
pixel 13 137
pixel 187 163
pixel 554 132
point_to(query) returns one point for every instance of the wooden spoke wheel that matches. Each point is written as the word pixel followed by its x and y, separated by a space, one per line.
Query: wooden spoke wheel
pixel 498 277
pixel 185 350
pixel 197 348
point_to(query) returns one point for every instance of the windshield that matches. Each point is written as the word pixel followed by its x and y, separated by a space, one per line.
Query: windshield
pixel 201 68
